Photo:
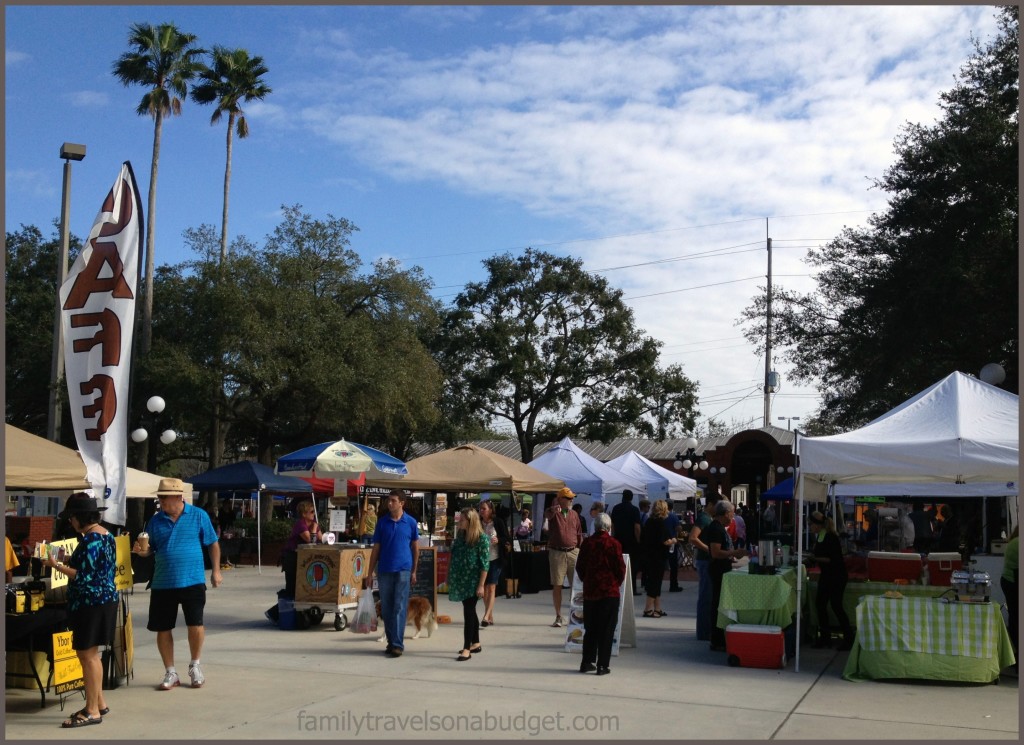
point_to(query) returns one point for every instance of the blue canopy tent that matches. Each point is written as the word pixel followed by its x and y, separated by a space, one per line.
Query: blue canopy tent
pixel 781 491
pixel 248 476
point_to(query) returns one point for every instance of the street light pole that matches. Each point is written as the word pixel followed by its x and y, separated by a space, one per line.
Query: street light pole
pixel 788 420
pixel 69 152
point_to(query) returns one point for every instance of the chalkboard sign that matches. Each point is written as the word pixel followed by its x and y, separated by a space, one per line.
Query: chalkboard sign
pixel 426 576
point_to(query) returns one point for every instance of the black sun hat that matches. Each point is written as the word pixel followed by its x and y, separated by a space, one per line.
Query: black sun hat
pixel 80 502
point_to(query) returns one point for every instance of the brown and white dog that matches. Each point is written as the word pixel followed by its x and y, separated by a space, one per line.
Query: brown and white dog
pixel 418 613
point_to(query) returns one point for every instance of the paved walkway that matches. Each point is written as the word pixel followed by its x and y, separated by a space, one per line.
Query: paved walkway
pixel 267 684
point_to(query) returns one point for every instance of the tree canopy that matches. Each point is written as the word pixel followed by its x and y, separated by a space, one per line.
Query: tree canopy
pixel 554 351
pixel 317 349
pixel 930 285
pixel 30 304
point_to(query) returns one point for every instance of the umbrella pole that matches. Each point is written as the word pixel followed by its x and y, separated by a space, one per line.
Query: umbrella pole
pixel 512 551
pixel 362 513
pixel 259 536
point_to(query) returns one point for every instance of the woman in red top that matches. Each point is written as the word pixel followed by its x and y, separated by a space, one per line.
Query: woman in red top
pixel 602 569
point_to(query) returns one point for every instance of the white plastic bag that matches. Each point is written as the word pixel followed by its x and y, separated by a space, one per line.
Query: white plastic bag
pixel 365 621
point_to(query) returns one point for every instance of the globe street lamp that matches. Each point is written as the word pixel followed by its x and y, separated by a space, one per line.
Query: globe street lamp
pixel 691 459
pixel 156 405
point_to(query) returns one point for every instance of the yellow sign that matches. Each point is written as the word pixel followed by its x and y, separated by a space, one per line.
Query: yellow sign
pixel 123 569
pixel 58 579
pixel 67 670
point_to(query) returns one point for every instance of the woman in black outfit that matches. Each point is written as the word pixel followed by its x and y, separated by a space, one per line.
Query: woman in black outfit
pixel 655 543
pixel 827 553
pixel 721 551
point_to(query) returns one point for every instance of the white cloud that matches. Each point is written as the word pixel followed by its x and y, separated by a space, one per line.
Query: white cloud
pixel 13 57
pixel 89 99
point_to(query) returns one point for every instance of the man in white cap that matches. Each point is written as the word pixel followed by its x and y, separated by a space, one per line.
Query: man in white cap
pixel 565 535
pixel 177 534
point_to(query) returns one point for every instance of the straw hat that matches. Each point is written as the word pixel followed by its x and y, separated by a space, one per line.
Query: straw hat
pixel 169 487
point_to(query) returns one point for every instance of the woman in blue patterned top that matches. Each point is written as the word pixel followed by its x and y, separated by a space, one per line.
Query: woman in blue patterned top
pixel 470 560
pixel 92 600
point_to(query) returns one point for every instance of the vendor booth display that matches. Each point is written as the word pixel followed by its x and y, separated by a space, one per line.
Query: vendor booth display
pixel 251 478
pixel 474 470
pixel 329 578
pixel 959 431
pixel 928 639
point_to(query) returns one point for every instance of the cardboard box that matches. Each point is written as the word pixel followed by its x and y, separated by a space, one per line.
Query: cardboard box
pixel 941 567
pixel 330 575
pixel 888 566
pixel 750 645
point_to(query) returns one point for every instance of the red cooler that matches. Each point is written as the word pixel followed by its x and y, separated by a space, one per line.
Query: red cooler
pixel 750 645
pixel 888 566
pixel 941 567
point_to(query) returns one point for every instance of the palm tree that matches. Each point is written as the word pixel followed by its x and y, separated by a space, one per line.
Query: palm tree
pixel 164 60
pixel 234 78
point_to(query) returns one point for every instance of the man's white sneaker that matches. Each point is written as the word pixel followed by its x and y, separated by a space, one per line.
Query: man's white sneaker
pixel 559 622
pixel 170 681
pixel 196 674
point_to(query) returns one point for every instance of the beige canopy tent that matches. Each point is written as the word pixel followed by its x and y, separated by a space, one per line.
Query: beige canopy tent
pixel 468 468
pixel 48 469
pixel 32 463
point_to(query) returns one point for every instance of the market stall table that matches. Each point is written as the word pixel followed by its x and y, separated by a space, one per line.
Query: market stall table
pixel 764 599
pixel 32 632
pixel 532 570
pixel 928 639
pixel 855 590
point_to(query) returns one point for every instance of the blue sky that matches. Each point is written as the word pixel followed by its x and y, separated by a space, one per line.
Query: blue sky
pixel 620 135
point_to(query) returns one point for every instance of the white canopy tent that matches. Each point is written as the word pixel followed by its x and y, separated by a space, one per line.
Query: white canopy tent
pixel 661 482
pixel 958 431
pixel 588 477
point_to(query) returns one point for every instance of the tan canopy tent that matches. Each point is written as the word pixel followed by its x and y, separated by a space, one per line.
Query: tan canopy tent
pixel 45 468
pixel 32 463
pixel 468 468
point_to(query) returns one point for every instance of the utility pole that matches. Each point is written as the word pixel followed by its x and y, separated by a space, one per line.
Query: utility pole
pixel 768 336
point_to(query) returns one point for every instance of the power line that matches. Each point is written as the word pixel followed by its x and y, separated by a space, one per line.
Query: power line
pixel 697 287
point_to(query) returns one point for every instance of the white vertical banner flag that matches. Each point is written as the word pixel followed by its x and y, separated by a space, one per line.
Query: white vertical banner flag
pixel 98 315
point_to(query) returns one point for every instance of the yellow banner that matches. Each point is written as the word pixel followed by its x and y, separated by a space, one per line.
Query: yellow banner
pixel 123 570
pixel 67 670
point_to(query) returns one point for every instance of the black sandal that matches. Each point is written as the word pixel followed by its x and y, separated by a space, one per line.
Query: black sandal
pixel 81 719
pixel 651 614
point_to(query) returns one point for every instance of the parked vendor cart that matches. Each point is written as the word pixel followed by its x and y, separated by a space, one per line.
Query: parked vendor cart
pixel 329 578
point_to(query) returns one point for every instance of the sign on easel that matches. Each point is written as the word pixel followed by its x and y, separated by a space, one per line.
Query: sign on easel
pixel 67 669
pixel 625 625
pixel 123 569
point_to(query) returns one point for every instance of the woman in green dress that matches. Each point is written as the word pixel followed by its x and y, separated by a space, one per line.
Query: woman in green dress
pixel 470 561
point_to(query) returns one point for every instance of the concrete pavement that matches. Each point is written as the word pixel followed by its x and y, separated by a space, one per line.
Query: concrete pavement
pixel 268 684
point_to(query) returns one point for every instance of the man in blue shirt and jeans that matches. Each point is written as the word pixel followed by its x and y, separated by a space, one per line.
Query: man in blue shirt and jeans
pixel 177 534
pixel 394 556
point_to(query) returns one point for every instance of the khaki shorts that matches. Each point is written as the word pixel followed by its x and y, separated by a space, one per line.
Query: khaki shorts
pixel 562 564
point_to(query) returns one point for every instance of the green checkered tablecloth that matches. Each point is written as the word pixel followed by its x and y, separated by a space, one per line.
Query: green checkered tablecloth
pixel 766 599
pixel 925 638
pixel 856 589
